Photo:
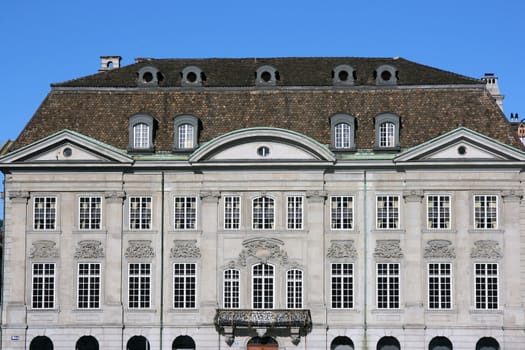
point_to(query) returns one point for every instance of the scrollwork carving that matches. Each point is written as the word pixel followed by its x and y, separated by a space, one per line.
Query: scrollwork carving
pixel 388 249
pixel 439 248
pixel 342 249
pixel 263 250
pixel 44 250
pixel 185 249
pixel 89 249
pixel 486 249
pixel 139 249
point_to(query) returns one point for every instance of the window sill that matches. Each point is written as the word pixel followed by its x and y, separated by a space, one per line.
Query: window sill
pixel 31 232
pixel 438 230
pixel 388 230
pixel 139 311
pixel 134 232
pixel 82 311
pixel 486 312
pixel 173 232
pixel 486 230
pixel 182 310
pixel 79 232
pixel 387 311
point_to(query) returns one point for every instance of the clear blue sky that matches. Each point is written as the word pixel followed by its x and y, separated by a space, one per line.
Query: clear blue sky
pixel 52 41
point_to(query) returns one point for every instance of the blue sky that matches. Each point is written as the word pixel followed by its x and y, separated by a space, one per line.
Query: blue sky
pixel 56 40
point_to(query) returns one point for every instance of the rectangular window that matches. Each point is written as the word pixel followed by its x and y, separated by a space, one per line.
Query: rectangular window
pixel 44 213
pixel 342 212
pixel 43 286
pixel 89 213
pixel 486 211
pixel 231 297
pixel 139 286
pixel 141 136
pixel 262 286
pixel 232 212
pixel 185 136
pixel 438 212
pixel 140 213
pixel 387 212
pixel 185 213
pixel 439 286
pixel 294 289
pixel 294 213
pixel 486 286
pixel 184 285
pixel 342 286
pixel 88 287
pixel 263 213
pixel 388 286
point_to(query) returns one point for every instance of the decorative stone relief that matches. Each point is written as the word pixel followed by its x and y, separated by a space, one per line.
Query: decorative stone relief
pixel 413 196
pixel 115 196
pixel 139 249
pixel 44 249
pixel 486 249
pixel 512 195
pixel 263 250
pixel 185 249
pixel 388 249
pixel 439 248
pixel 89 249
pixel 211 196
pixel 342 249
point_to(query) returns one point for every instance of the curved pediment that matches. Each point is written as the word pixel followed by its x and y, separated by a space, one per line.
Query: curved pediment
pixel 264 145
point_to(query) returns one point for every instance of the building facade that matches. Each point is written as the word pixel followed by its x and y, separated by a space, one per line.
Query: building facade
pixel 287 203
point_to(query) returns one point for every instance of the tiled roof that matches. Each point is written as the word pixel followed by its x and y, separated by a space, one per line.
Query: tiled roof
pixel 229 72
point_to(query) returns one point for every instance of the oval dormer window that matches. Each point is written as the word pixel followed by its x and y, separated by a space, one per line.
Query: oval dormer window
pixel 386 75
pixel 192 76
pixel 266 75
pixel 149 76
pixel 343 74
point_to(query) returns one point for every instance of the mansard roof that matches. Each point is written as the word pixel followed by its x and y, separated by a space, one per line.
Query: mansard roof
pixel 429 102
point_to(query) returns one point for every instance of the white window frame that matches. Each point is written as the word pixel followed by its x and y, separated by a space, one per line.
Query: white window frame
pixel 185 285
pixel 482 282
pixel 231 291
pixel 341 216
pixel 265 215
pixel 265 285
pixel 483 219
pixel 390 283
pixel 89 281
pixel 186 136
pixel 141 136
pixel 342 286
pixel 387 134
pixel 232 212
pixel 294 212
pixel 439 286
pixel 43 286
pixel 294 289
pixel 392 214
pixel 342 135
pixel 143 292
pixel 89 213
pixel 143 213
pixel 185 215
pixel 440 214
pixel 47 213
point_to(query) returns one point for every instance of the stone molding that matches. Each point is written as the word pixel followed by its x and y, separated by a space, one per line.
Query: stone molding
pixel 512 196
pixel 413 196
pixel 342 249
pixel 486 249
pixel 440 248
pixel 185 249
pixel 210 196
pixel 139 249
pixel 18 196
pixel 115 196
pixel 316 196
pixel 89 249
pixel 263 250
pixel 388 249
pixel 44 249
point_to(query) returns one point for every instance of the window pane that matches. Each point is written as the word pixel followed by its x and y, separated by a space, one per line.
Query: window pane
pixel 44 213
pixel 294 213
pixel 342 286
pixel 263 213
pixel 184 285
pixel 231 298
pixel 342 212
pixel 232 212
pixel 185 213
pixel 342 135
pixel 387 134
pixel 139 285
pixel 387 212
pixel 140 213
pixel 185 136
pixel 89 213
pixel 141 136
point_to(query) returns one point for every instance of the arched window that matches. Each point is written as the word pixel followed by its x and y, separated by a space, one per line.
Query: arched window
pixel 263 213
pixel 387 131
pixel 342 131
pixel 41 343
pixel 138 342
pixel 263 277
pixel 487 343
pixel 87 342
pixel 141 136
pixel 141 133
pixel 294 289
pixel 388 343
pixel 186 132
pixel 231 289
pixel 183 342
pixel 440 343
pixel 185 136
pixel 342 343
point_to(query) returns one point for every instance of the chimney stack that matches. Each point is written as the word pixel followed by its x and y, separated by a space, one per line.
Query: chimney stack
pixel 109 63
pixel 491 82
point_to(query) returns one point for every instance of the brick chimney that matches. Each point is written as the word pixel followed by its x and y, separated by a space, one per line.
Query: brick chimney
pixel 109 63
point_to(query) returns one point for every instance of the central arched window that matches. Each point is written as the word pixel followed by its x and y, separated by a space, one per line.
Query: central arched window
pixel 388 343
pixel 138 342
pixel 41 343
pixel 263 213
pixel 440 343
pixel 487 343
pixel 87 342
pixel 342 343
pixel 263 278
pixel 183 342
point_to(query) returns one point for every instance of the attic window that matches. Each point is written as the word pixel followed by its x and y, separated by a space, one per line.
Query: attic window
pixel 343 75
pixel 266 75
pixel 148 76
pixel 386 75
pixel 387 127
pixel 186 132
pixel 140 129
pixel 192 76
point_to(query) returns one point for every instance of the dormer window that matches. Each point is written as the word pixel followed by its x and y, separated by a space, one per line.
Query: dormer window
pixel 385 75
pixel 141 133
pixel 149 76
pixel 192 76
pixel 342 132
pixel 343 75
pixel 387 131
pixel 266 75
pixel 185 132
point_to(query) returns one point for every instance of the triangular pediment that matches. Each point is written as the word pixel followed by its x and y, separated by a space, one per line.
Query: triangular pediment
pixel 66 148
pixel 262 145
pixel 461 145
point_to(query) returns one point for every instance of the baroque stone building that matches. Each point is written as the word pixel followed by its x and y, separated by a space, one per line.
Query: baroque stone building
pixel 285 203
